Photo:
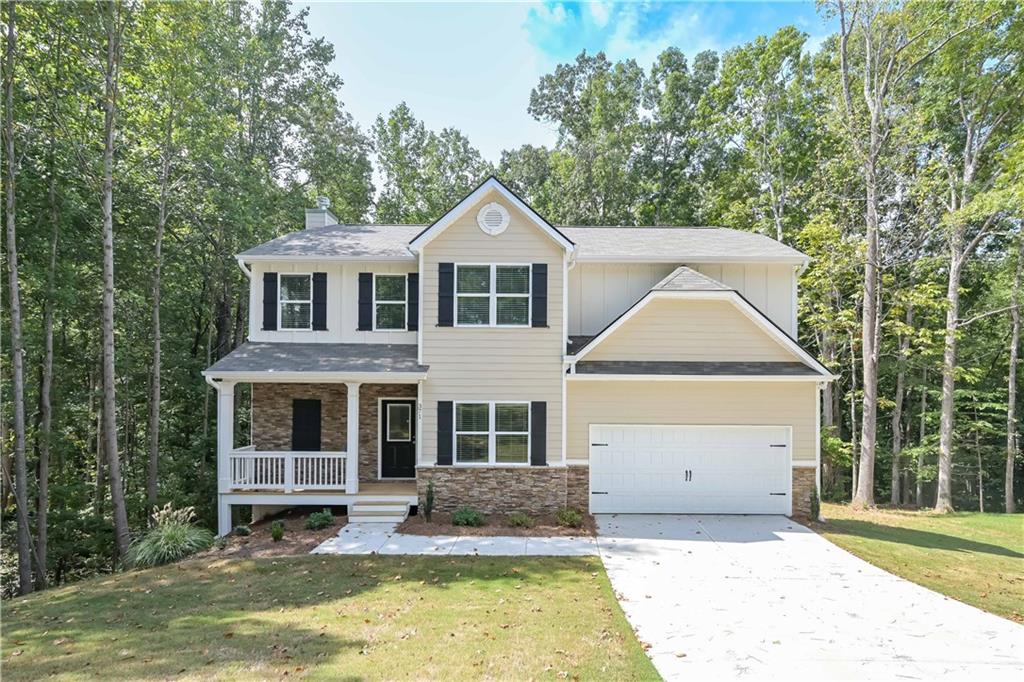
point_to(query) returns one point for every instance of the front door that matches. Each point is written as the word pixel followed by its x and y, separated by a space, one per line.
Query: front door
pixel 305 425
pixel 398 439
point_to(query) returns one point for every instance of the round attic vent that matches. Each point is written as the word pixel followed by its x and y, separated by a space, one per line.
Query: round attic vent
pixel 492 219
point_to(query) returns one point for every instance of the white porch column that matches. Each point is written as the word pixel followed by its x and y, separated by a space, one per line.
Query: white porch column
pixel 352 431
pixel 225 444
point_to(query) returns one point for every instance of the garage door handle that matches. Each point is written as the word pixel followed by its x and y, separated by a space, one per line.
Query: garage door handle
pixel 777 445
pixel 598 492
pixel 599 445
pixel 783 494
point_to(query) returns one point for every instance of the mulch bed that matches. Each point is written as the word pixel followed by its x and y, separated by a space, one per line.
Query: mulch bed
pixel 496 525
pixel 297 540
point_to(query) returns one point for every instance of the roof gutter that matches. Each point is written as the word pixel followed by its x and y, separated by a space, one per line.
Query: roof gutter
pixel 241 264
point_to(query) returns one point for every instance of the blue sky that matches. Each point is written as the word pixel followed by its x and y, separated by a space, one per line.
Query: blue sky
pixel 472 65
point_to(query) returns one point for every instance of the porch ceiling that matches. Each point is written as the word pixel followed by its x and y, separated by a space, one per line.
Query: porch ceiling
pixel 291 361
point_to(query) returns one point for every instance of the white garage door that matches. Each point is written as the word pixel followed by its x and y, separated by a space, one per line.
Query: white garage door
pixel 690 469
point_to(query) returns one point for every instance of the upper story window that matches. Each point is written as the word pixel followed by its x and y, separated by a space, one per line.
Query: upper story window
pixel 492 295
pixel 296 301
pixel 492 433
pixel 389 302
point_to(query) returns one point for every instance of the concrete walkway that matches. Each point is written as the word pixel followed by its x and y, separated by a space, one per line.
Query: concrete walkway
pixel 763 598
pixel 381 538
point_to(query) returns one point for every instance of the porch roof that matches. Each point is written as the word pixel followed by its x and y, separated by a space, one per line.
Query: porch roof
pixel 316 361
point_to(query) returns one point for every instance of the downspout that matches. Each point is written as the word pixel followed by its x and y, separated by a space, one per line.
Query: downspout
pixel 241 265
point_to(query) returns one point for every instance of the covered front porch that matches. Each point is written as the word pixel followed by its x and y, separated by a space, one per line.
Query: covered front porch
pixel 331 424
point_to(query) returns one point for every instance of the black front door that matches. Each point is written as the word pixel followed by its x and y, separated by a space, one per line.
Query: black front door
pixel 305 425
pixel 398 439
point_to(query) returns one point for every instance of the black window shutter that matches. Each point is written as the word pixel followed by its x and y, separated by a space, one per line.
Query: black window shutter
pixel 412 301
pixel 445 294
pixel 320 301
pixel 445 423
pixel 538 433
pixel 539 294
pixel 269 301
pixel 305 425
pixel 365 301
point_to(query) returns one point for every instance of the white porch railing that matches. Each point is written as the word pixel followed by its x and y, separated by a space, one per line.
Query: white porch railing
pixel 286 471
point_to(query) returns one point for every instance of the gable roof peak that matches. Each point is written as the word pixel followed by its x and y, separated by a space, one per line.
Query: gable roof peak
pixel 492 183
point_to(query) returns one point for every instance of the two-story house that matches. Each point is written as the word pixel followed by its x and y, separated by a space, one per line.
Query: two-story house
pixel 520 366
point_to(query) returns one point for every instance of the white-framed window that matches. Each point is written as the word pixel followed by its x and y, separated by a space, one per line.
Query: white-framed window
pixel 389 302
pixel 295 301
pixel 494 432
pixel 492 295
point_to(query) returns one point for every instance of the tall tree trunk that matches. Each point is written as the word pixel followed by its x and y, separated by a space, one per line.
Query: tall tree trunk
pixel 1011 385
pixel 111 74
pixel 944 491
pixel 17 356
pixel 45 434
pixel 153 470
pixel 854 470
pixel 897 410
pixel 865 495
pixel 977 454
pixel 919 487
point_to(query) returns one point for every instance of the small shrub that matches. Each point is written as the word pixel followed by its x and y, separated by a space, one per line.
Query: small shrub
pixel 815 506
pixel 173 537
pixel 277 530
pixel 428 504
pixel 520 520
pixel 222 543
pixel 319 520
pixel 569 517
pixel 467 516
pixel 241 531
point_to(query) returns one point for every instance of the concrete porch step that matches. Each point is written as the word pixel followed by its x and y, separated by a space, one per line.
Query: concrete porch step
pixel 375 511
pixel 375 507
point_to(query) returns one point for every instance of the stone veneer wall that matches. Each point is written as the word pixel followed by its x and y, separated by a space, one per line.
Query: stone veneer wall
pixel 369 418
pixel 577 493
pixel 272 414
pixel 495 490
pixel 804 484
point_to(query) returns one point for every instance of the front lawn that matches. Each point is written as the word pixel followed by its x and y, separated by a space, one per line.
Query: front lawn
pixel 976 558
pixel 330 617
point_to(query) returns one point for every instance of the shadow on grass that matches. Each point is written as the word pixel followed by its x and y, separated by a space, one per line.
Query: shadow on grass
pixel 916 538
pixel 256 617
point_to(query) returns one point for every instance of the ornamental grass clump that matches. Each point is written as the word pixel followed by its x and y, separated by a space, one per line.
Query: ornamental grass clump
pixel 173 537
pixel 571 518
pixel 520 520
pixel 277 531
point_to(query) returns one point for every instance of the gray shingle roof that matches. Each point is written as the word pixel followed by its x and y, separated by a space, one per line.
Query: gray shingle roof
pixel 679 244
pixel 688 279
pixel 341 242
pixel 320 357
pixel 694 368
pixel 654 244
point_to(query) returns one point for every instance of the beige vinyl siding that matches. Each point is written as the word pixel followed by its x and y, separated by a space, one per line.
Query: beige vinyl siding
pixel 492 363
pixel 698 403
pixel 690 330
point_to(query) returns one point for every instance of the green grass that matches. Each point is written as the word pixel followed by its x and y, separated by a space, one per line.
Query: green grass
pixel 976 558
pixel 330 618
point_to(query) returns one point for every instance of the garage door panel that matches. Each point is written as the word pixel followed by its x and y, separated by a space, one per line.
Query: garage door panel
pixel 733 469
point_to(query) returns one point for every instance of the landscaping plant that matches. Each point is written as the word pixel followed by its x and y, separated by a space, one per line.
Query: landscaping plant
pixel 319 520
pixel 569 517
pixel 173 536
pixel 428 504
pixel 241 531
pixel 467 516
pixel 520 520
pixel 277 530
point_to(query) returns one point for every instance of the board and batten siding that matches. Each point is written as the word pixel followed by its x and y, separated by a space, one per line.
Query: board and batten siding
pixel 690 330
pixel 698 403
pixel 492 363
pixel 342 302
pixel 600 292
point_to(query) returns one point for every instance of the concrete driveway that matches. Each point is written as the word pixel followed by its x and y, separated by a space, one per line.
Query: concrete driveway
pixel 761 597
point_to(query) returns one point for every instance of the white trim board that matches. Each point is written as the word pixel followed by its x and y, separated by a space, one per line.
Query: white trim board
pixel 694 377
pixel 441 224
pixel 318 377
pixel 741 304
